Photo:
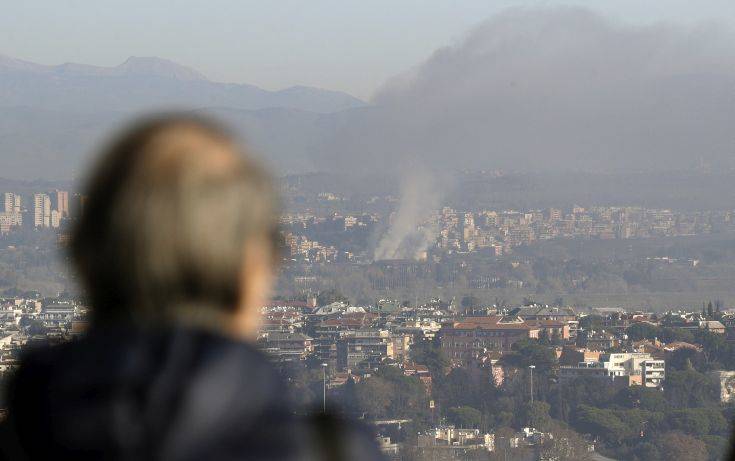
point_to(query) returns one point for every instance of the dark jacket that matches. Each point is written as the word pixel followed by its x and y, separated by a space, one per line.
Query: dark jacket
pixel 179 394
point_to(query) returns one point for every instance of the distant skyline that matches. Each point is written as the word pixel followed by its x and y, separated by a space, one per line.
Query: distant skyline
pixel 348 46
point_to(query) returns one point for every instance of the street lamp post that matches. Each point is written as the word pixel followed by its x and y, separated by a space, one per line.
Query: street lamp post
pixel 324 387
pixel 531 367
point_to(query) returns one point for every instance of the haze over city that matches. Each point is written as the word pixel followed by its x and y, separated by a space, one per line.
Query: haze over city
pixel 532 88
pixel 381 230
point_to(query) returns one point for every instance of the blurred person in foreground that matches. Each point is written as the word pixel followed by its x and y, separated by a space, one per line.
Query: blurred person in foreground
pixel 176 248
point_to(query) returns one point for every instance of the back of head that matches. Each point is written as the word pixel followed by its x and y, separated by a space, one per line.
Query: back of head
pixel 178 226
pixel 172 207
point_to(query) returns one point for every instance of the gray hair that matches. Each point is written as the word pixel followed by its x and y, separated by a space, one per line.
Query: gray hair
pixel 171 206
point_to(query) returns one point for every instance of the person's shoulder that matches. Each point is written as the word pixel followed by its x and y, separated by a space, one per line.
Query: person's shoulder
pixel 337 438
pixel 37 364
pixel 41 365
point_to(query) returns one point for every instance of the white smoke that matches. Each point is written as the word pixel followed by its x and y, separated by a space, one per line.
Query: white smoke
pixel 410 234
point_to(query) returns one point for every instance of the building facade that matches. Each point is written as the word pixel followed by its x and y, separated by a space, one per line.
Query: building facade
pixel 41 210
pixel 634 367
pixel 469 339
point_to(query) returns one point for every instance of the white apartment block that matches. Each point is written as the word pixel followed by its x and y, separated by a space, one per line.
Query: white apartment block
pixel 41 210
pixel 12 202
pixel 637 367
pixel 55 218
pixel 9 220
pixel 11 214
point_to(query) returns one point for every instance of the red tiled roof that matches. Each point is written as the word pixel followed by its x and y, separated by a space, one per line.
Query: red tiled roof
pixel 676 345
pixel 547 323
pixel 489 323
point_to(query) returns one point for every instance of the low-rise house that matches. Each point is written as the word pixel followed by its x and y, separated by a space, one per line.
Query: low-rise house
pixel 419 329
pixel 571 355
pixel 340 378
pixel 669 348
pixel 285 347
pixel 713 326
pixel 653 347
pixel 600 341
pixel 456 439
pixel 387 447
pixel 421 372
pixel 693 322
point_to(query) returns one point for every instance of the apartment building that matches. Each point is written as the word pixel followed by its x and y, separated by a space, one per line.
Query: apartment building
pixel 364 349
pixel 635 368
pixel 468 339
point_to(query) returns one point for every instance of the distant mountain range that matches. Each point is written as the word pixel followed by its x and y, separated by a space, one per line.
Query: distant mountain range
pixel 53 117
pixel 146 83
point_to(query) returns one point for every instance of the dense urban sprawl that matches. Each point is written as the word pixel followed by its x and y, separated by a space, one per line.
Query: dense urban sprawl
pixel 465 381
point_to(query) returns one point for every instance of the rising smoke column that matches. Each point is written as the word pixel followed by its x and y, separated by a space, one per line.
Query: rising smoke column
pixel 544 90
pixel 409 235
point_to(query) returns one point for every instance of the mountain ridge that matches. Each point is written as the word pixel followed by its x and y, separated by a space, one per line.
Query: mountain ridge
pixel 147 83
pixel 133 65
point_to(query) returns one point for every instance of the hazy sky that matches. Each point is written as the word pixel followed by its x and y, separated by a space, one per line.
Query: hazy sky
pixel 352 46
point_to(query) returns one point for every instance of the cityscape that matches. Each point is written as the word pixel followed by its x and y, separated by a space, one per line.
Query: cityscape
pixel 498 232
pixel 453 381
pixel 460 377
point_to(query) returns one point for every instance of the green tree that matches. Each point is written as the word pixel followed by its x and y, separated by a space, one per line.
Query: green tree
pixel 699 421
pixel 430 353
pixel 641 330
pixel 717 351
pixel 681 447
pixel 374 396
pixel 641 422
pixel 688 389
pixel 36 328
pixel 646 450
pixel 543 337
pixel 502 419
pixel 465 417
pixel 535 415
pixel 581 391
pixel 529 352
pixel 602 423
pixel 455 389
pixel 686 358
pixel 591 322
pixel 397 395
pixel 565 444
pixel 717 446
pixel 689 421
pixel 668 334
pixel 641 397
